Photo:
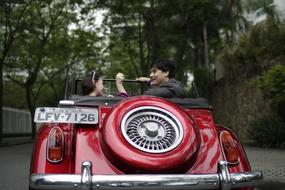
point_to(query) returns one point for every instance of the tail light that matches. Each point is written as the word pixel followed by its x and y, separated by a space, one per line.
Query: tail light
pixel 229 147
pixel 55 145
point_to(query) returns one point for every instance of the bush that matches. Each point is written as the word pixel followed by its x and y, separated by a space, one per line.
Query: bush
pixel 268 132
pixel 272 83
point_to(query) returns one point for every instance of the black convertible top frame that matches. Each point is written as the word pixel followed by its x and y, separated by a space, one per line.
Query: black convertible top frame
pixel 193 103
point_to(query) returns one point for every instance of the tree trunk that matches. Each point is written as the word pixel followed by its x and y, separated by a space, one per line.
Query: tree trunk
pixel 34 130
pixel 144 67
pixel 206 51
pixel 180 52
pixel 152 39
pixel 31 107
pixel 181 45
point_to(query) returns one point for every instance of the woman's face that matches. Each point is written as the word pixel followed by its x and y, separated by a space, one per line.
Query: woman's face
pixel 99 87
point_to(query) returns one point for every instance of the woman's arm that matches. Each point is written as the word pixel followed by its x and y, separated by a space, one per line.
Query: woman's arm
pixel 119 83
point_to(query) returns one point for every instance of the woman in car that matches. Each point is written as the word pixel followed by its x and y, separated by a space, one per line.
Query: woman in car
pixel 92 85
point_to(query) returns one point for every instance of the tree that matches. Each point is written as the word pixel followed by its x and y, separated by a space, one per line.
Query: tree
pixel 256 51
pixel 235 23
pixel 129 41
pixel 185 31
pixel 45 49
pixel 29 53
pixel 272 84
pixel 11 17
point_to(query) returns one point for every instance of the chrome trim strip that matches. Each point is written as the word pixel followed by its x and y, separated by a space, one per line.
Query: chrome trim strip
pixel 70 103
pixel 222 180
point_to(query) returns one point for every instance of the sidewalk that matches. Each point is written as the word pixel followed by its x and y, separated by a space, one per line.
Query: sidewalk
pixel 270 161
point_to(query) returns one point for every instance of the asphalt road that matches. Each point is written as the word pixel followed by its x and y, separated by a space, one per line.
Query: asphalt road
pixel 14 167
pixel 15 161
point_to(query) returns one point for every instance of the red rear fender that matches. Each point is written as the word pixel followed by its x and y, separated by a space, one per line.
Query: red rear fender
pixel 39 163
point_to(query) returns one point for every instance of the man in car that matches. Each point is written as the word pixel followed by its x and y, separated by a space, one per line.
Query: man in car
pixel 162 81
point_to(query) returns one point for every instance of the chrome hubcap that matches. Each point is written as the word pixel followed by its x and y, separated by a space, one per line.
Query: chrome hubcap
pixel 152 129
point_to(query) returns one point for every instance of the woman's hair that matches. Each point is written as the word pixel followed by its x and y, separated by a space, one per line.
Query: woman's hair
pixel 87 85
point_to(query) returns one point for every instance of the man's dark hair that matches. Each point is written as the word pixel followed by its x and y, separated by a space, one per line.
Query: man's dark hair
pixel 165 65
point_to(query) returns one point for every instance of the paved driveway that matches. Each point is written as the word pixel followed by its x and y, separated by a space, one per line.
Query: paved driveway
pixel 14 166
pixel 270 161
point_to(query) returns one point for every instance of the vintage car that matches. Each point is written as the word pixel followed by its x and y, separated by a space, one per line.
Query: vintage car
pixel 139 142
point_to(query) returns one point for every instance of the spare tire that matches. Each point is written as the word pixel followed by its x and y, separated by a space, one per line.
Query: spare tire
pixel 149 135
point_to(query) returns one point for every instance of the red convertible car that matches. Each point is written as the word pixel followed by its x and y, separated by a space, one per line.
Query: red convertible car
pixel 139 142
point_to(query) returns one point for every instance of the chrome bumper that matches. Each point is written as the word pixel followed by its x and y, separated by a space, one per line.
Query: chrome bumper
pixel 222 180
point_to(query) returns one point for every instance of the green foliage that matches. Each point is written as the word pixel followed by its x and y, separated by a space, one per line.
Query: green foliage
pixel 268 131
pixel 13 96
pixel 133 34
pixel 272 84
pixel 124 56
pixel 142 31
pixel 254 51
pixel 43 48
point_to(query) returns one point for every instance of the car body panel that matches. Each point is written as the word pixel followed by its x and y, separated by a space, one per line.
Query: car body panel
pixel 104 147
pixel 39 162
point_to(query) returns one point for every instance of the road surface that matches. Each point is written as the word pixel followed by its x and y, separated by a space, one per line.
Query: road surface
pixel 15 161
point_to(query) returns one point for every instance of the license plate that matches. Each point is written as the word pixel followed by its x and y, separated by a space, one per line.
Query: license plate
pixel 66 115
